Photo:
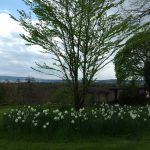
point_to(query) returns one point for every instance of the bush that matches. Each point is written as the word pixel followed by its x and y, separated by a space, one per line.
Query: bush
pixel 2 95
pixel 34 93
pixel 132 96
pixel 62 95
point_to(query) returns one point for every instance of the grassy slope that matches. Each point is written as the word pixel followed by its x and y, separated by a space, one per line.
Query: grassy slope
pixel 106 143
pixel 12 142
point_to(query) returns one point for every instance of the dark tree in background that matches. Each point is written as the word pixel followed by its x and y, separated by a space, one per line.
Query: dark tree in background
pixel 133 61
pixel 147 72
pixel 81 35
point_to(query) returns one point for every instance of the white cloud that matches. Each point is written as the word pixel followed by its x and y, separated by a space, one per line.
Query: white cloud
pixel 8 26
pixel 107 72
pixel 17 58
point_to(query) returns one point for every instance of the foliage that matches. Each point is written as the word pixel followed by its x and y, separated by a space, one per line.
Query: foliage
pixel 135 99
pixel 2 94
pixel 34 93
pixel 131 61
pixel 62 95
pixel 105 119
pixel 146 71
pixel 81 35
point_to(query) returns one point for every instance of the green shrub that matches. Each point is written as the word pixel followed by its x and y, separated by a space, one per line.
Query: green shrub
pixel 2 94
pixel 132 96
pixel 62 95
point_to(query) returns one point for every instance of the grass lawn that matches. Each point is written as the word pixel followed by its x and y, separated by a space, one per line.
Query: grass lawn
pixel 106 143
pixel 9 141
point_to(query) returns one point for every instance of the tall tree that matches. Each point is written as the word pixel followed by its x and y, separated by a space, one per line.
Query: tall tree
pixel 133 61
pixel 81 35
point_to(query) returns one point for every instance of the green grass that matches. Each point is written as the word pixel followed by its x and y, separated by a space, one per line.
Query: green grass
pixel 103 143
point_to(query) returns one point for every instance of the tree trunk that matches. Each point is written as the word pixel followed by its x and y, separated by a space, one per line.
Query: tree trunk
pixel 79 99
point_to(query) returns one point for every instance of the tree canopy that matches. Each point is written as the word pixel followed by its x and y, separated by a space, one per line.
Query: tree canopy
pixel 133 61
pixel 81 35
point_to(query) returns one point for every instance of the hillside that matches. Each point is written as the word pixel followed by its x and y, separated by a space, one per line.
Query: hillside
pixel 25 79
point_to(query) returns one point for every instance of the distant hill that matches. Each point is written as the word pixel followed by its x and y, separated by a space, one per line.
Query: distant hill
pixel 11 78
pixel 108 81
pixel 25 79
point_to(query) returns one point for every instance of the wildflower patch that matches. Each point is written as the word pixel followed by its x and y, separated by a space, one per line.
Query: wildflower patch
pixel 101 120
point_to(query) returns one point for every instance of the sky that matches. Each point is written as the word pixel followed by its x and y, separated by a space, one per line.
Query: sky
pixel 16 58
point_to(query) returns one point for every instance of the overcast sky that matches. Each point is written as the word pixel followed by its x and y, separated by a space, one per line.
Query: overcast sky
pixel 16 59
